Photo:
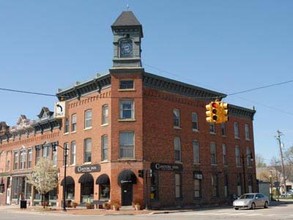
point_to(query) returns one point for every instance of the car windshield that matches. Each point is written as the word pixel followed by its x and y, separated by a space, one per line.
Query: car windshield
pixel 247 196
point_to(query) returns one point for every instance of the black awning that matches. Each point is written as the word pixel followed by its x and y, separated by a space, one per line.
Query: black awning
pixel 69 181
pixel 86 178
pixel 103 180
pixel 127 176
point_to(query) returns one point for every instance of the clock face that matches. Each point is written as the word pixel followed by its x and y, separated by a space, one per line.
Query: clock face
pixel 126 49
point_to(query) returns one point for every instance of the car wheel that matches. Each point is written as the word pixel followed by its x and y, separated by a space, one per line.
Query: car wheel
pixel 252 205
pixel 266 205
pixel 236 208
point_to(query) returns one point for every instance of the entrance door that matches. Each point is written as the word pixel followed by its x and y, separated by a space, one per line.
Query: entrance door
pixel 126 193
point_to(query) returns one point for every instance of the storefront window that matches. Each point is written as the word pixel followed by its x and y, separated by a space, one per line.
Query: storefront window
pixel 104 192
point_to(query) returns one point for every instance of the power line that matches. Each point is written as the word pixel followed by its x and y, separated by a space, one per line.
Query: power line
pixel 26 92
pixel 261 87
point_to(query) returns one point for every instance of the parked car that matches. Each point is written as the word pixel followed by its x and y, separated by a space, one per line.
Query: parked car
pixel 251 201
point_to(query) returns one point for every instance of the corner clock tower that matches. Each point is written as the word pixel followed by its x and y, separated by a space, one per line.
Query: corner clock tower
pixel 127 33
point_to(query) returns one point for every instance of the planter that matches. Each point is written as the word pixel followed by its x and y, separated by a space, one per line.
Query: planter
pixel 137 207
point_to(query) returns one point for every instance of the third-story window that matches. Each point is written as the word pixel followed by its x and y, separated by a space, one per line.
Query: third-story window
pixel 194 121
pixel 38 153
pixel 195 146
pixel 73 122
pixel 126 144
pixel 246 128
pixel 73 153
pixel 88 118
pixel 16 159
pixel 66 125
pixel 177 149
pixel 87 150
pixel 213 152
pixel 23 159
pixel 126 109
pixel 126 84
pixel 223 129
pixel 104 143
pixel 236 130
pixel 29 158
pixel 105 114
pixel 176 118
pixel 212 128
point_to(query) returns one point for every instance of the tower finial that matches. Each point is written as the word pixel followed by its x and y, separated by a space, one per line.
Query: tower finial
pixel 127 7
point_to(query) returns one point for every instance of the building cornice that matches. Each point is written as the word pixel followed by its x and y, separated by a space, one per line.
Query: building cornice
pixel 80 89
pixel 173 86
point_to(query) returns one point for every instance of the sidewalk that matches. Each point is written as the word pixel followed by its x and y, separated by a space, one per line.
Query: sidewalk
pixel 122 211
pixel 80 210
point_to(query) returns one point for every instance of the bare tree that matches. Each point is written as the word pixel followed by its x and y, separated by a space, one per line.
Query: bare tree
pixel 259 161
pixel 44 177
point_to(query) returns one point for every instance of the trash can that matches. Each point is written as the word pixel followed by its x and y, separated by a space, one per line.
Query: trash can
pixel 23 204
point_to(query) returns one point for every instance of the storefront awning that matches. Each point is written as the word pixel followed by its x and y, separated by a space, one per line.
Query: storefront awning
pixel 86 178
pixel 127 176
pixel 103 180
pixel 69 181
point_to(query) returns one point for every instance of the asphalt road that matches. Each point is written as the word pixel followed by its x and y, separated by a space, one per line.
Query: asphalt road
pixel 278 211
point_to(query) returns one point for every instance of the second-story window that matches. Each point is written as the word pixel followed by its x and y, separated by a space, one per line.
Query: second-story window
pixel 176 118
pixel 104 143
pixel 126 144
pixel 73 153
pixel 126 109
pixel 212 128
pixel 177 149
pixel 224 151
pixel 73 122
pixel 195 146
pixel 88 118
pixel 237 156
pixel 213 152
pixel 87 150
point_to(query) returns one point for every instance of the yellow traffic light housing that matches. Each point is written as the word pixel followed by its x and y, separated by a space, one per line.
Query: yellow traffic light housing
pixel 224 112
pixel 212 112
pixel 217 112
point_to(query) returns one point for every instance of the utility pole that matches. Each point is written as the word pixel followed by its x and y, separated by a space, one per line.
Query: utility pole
pixel 282 158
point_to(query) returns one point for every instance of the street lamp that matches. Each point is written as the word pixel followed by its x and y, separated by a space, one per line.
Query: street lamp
pixel 54 145
pixel 271 183
pixel 243 167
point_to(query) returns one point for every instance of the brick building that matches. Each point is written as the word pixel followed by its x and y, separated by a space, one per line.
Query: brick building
pixel 132 136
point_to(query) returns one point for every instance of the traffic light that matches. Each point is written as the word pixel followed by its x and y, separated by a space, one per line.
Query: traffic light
pixel 141 173
pixel 224 112
pixel 212 112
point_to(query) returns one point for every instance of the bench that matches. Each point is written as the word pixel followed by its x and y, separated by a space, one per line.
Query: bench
pixel 99 203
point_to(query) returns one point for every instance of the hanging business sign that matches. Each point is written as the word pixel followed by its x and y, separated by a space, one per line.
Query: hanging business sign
pixel 88 168
pixel 166 167
pixel 59 110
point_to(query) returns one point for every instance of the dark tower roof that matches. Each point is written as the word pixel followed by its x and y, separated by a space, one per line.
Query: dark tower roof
pixel 126 19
